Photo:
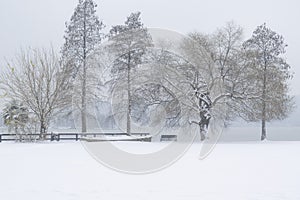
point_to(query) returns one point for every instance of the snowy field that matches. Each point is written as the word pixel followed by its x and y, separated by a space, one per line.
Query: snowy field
pixel 248 133
pixel 233 171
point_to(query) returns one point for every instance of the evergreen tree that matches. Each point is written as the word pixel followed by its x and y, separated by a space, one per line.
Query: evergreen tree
pixel 82 36
pixel 129 42
pixel 15 116
pixel 266 48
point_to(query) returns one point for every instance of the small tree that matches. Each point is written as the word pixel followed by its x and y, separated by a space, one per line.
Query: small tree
pixel 36 78
pixel 265 49
pixel 82 36
pixel 15 116
pixel 129 43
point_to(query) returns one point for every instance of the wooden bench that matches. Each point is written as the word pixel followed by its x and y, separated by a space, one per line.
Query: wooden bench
pixel 168 138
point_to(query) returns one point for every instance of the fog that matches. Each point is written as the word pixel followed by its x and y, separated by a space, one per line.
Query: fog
pixel 38 23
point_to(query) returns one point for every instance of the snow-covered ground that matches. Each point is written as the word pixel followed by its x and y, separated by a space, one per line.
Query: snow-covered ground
pixel 65 171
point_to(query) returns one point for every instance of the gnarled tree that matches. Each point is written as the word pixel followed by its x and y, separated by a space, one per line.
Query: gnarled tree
pixel 221 79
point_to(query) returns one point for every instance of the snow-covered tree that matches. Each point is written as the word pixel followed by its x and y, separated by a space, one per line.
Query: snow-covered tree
pixel 187 87
pixel 265 51
pixel 82 36
pixel 15 116
pixel 218 78
pixel 129 43
pixel 37 79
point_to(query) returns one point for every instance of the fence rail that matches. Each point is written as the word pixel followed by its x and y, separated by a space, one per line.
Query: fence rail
pixel 64 136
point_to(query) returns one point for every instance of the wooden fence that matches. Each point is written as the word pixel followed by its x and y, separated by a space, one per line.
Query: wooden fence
pixel 71 136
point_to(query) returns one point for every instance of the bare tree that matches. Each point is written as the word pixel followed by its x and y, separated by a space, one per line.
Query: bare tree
pixel 210 75
pixel 37 79
pixel 186 86
pixel 265 49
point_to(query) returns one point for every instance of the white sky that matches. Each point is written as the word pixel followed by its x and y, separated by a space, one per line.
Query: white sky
pixel 39 23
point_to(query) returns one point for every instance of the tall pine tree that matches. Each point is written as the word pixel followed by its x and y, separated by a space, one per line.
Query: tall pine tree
pixel 82 36
pixel 129 42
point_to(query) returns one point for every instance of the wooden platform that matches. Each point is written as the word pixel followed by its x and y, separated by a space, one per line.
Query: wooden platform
pixel 140 139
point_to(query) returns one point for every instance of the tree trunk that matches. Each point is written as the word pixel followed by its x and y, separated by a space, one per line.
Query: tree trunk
pixel 263 130
pixel 83 102
pixel 202 135
pixel 129 97
pixel 84 77
pixel 263 118
pixel 18 136
pixel 43 129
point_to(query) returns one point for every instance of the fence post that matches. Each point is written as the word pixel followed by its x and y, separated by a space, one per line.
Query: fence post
pixel 76 136
pixel 0 138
